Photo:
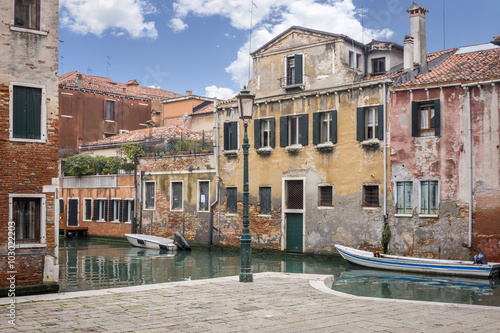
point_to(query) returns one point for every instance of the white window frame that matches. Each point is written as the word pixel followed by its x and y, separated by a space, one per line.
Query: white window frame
pixel 43 112
pixel 144 196
pixel 198 196
pixel 263 123
pixel 172 195
pixel 371 112
pixel 102 217
pixel 397 196
pixel 129 210
pixel 106 101
pixel 328 121
pixel 43 218
pixel 85 209
pixel 437 198
pixel 298 130
pixel 29 30
pixel 115 205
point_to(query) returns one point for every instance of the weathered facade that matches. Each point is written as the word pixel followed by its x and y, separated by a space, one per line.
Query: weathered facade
pixel 93 108
pixel 29 138
pixel 317 145
pixel 445 177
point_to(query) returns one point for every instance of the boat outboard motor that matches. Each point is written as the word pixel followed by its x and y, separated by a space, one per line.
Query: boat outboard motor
pixel 480 259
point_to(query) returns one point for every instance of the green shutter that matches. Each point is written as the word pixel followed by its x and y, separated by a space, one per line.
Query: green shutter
pixel 234 135
pixel 316 127
pixel 226 136
pixel 106 205
pixel 272 126
pixel 437 118
pixel 27 110
pixel 125 211
pixel 414 119
pixel 360 122
pixel 283 131
pixel 111 210
pixel 333 127
pixel 120 210
pixel 256 133
pixel 304 129
pixel 298 69
pixel 95 217
pixel 380 133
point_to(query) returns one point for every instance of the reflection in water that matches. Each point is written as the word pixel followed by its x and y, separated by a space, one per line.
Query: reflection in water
pixel 360 281
pixel 96 264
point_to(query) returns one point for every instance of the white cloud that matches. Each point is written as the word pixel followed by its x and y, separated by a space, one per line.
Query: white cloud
pixel 272 17
pixel 120 16
pixel 220 93
pixel 177 24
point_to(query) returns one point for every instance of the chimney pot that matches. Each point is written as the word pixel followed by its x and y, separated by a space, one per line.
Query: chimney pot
pixel 408 53
pixel 417 28
pixel 189 92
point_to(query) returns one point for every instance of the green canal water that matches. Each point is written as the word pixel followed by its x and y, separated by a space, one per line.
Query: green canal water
pixel 89 264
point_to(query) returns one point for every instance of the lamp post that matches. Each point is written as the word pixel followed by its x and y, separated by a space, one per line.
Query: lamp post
pixel 245 108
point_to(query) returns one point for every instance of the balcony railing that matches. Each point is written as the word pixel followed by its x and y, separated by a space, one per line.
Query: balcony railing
pixel 292 82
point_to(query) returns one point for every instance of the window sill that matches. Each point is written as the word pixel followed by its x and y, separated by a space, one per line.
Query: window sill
pixel 324 147
pixel 371 208
pixel 203 211
pixel 230 153
pixel 428 215
pixel 265 151
pixel 28 140
pixel 403 215
pixel 101 221
pixel 31 31
pixel 87 221
pixel 295 149
pixel 149 209
pixel 27 246
pixel 116 222
pixel 109 121
pixel 370 144
pixel 177 210
pixel 326 207
pixel 65 116
pixel 128 222
pixel 232 214
pixel 264 216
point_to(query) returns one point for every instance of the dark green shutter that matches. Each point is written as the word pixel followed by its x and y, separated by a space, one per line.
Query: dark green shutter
pixel 437 118
pixel 333 126
pixel 304 129
pixel 380 133
pixel 226 136
pixel 125 210
pixel 120 212
pixel 298 69
pixel 256 133
pixel 360 122
pixel 316 127
pixel 283 131
pixel 414 119
pixel 106 205
pixel 27 110
pixel 272 138
pixel 234 135
pixel 95 217
pixel 111 210
pixel 88 210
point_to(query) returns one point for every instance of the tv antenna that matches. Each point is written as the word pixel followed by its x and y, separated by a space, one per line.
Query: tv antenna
pixel 108 58
pixel 250 41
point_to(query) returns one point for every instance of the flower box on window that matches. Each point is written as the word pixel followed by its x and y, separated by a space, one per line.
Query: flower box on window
pixel 264 151
pixel 293 150
pixel 231 153
pixel 370 144
pixel 324 147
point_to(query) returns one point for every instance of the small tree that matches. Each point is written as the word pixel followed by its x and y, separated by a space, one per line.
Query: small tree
pixel 113 164
pixel 79 165
pixel 99 163
pixel 132 150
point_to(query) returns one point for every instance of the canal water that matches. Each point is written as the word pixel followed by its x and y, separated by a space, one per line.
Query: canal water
pixel 89 264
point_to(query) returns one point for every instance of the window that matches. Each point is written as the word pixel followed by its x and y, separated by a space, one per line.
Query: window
pixel 265 200
pixel 264 133
pixel 378 66
pixel 294 130
pixel 109 110
pixel 176 200
pixel 294 194
pixel 87 209
pixel 429 195
pixel 370 196
pixel 27 14
pixel 426 118
pixel 128 210
pixel 203 195
pixel 326 196
pixel 26 213
pixel 404 196
pixel 358 61
pixel 115 210
pixel 100 210
pixel 27 112
pixel 370 122
pixel 149 195
pixel 232 200
pixel 61 206
pixel 231 136
pixel 325 127
pixel 294 70
pixel 351 59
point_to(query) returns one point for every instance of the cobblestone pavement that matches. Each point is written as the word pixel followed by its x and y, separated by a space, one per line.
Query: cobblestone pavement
pixel 274 302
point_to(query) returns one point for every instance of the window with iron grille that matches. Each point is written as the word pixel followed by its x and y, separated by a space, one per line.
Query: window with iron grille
pixel 203 195
pixel 232 200
pixel 326 196
pixel 265 200
pixel 176 196
pixel 149 195
pixel 294 194
pixel 370 196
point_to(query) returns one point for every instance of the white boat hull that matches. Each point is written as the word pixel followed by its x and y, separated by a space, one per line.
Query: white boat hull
pixel 151 242
pixel 418 265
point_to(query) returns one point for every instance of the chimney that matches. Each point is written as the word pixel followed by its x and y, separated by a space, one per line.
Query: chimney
pixel 417 28
pixel 408 53
pixel 189 92
pixel 79 81
pixel 496 40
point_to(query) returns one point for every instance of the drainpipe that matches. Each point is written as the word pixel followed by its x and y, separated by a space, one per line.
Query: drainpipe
pixel 141 174
pixel 469 133
pixel 385 150
pixel 216 153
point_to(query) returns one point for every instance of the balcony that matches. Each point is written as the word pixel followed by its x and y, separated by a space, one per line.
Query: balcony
pixel 290 83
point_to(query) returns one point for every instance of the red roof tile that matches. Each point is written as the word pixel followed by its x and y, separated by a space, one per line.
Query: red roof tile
pixel 107 86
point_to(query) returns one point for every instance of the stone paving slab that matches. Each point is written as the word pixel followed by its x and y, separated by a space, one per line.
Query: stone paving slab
pixel 274 302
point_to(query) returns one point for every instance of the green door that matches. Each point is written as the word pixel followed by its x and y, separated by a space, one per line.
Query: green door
pixel 294 233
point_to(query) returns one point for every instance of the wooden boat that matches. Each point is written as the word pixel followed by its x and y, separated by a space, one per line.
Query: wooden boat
pixel 151 242
pixel 181 242
pixel 419 265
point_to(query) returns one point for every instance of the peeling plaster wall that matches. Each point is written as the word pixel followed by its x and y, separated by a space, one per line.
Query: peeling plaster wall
pixel 445 158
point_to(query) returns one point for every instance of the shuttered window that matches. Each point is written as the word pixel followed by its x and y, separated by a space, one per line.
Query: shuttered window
pixel 27 113
pixel 426 118
pixel 231 136
pixel 87 209
pixel 115 210
pixel 232 200
pixel 294 70
pixel 404 198
pixel 265 200
pixel 325 127
pixel 100 210
pixel 264 133
pixel 294 130
pixel 429 197
pixel 370 123
pixel 128 210
pixel 176 196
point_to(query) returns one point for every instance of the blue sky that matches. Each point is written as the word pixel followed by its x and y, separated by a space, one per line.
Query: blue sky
pixel 202 45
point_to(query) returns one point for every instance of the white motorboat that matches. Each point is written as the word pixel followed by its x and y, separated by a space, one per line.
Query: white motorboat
pixel 151 242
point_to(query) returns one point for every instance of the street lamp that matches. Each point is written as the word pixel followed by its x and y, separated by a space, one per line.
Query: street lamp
pixel 245 108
